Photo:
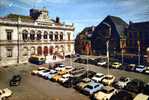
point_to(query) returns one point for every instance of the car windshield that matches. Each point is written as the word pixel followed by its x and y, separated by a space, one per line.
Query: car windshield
pixel 140 66
pixel 98 76
pixel 90 87
pixel 123 79
pixel 107 90
pixel 108 77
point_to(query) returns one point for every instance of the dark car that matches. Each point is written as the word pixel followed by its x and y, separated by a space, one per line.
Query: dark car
pixel 78 60
pixel 92 61
pixel 135 85
pixel 146 89
pixel 58 64
pixel 122 95
pixel 15 81
pixel 130 67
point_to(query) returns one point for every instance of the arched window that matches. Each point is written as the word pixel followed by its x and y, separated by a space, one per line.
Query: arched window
pixel 45 52
pixel 25 51
pixel 32 35
pixel 39 50
pixel 39 35
pixel 61 36
pixel 56 36
pixel 32 50
pixel 25 35
pixel 51 36
pixel 51 50
pixel 45 36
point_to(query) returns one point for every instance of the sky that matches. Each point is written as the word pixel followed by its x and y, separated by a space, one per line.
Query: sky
pixel 82 13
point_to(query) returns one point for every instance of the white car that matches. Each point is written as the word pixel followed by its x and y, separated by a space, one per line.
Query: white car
pixel 122 82
pixel 69 68
pixel 105 94
pixel 43 72
pixel 5 93
pixel 64 78
pixel 98 77
pixel 140 68
pixel 108 79
pixel 101 63
pixel 60 67
pixel 36 71
pixel 141 96
pixel 146 70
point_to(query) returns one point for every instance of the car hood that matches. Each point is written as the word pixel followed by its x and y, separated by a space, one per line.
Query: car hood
pixel 103 96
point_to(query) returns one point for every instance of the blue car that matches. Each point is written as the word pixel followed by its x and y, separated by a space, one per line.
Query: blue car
pixel 92 87
pixel 51 74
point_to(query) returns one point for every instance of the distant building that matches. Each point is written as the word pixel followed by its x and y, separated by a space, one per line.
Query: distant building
pixel 111 27
pixel 137 33
pixel 37 34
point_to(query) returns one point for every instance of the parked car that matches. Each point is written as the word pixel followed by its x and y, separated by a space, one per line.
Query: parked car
pixel 89 74
pixel 98 77
pixel 116 65
pixel 140 68
pixel 46 74
pixel 122 95
pixel 5 93
pixel 82 84
pixel 51 74
pixel 101 63
pixel 146 71
pixel 130 67
pixel 60 67
pixel 56 77
pixel 36 71
pixel 122 82
pixel 71 82
pixel 77 71
pixel 141 96
pixel 15 81
pixel 92 87
pixel 146 89
pixel 135 85
pixel 64 78
pixel 42 73
pixel 105 93
pixel 108 79
pixel 91 61
pixel 69 68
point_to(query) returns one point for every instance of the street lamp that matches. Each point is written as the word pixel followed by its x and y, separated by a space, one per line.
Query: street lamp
pixel 107 43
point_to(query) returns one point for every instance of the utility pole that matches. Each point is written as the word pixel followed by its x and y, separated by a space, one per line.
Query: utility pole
pixel 18 40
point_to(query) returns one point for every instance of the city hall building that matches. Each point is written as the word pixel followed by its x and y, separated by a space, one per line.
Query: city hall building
pixel 37 34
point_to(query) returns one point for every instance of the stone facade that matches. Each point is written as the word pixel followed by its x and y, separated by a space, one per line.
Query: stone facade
pixel 23 36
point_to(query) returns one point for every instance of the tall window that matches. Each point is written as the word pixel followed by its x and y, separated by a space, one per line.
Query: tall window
pixel 45 36
pixel 39 35
pixel 9 52
pixel 25 35
pixel 56 36
pixel 51 36
pixel 9 34
pixel 68 34
pixel 32 35
pixel 61 36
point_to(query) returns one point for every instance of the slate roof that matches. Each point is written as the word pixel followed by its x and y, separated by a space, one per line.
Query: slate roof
pixel 115 22
pixel 140 26
pixel 14 17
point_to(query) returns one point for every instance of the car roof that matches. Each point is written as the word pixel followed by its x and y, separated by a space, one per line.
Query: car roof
pixel 108 88
pixel 93 83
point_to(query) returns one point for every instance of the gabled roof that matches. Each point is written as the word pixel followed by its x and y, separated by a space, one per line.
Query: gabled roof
pixel 116 24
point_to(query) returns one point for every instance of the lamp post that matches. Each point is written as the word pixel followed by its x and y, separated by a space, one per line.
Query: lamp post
pixel 138 42
pixel 107 45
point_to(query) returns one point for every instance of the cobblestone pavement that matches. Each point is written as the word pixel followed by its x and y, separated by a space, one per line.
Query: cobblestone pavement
pixel 36 88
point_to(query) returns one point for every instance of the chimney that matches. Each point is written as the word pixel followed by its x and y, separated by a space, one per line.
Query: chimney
pixel 57 20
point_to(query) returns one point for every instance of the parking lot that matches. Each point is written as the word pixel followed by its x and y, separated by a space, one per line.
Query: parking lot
pixel 36 88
